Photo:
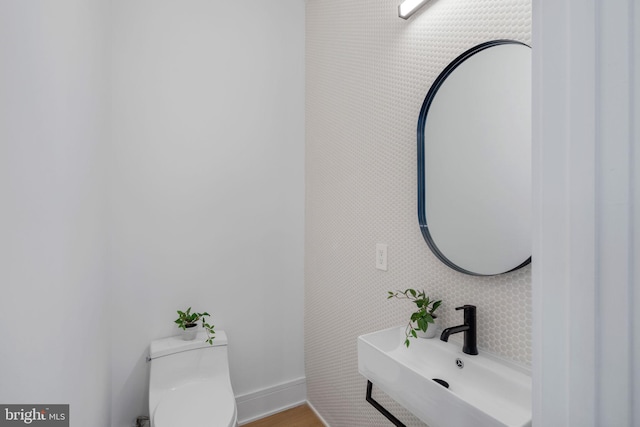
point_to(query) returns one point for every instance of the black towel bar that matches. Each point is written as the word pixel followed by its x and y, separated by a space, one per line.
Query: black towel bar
pixel 380 408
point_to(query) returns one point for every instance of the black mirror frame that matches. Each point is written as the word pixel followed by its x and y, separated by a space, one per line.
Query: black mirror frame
pixel 422 120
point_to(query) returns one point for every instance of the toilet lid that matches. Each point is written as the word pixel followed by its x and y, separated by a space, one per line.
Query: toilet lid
pixel 203 404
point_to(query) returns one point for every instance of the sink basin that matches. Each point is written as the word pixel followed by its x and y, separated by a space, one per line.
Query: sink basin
pixel 484 392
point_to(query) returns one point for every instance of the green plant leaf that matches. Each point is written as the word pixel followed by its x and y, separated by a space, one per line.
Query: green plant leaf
pixel 435 305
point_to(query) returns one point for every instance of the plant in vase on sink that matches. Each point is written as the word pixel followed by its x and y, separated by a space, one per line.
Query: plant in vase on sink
pixel 188 322
pixel 420 319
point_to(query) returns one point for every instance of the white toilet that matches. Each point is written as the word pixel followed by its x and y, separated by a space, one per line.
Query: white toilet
pixel 190 384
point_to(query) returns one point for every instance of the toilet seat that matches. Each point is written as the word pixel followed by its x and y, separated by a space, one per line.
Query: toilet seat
pixel 201 404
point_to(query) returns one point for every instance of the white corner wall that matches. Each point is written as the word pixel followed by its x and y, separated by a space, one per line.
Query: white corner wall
pixel 207 189
pixel 586 274
pixel 53 130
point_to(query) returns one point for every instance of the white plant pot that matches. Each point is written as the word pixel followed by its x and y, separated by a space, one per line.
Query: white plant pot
pixel 190 333
pixel 432 329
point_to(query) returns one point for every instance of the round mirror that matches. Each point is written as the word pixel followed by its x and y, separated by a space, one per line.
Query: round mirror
pixel 474 160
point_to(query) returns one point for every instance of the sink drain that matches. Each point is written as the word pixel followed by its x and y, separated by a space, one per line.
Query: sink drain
pixel 459 363
pixel 443 383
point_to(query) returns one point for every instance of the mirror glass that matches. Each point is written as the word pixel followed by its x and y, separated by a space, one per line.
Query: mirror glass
pixel 474 160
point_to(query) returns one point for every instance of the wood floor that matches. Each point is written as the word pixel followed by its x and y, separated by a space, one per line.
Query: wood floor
pixel 300 416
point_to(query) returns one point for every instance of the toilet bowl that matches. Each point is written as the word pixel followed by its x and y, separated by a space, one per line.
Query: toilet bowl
pixel 190 384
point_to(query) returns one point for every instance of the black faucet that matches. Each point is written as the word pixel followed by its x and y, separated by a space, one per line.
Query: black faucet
pixel 469 329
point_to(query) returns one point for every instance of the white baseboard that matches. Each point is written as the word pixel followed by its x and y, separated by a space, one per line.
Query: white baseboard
pixel 271 400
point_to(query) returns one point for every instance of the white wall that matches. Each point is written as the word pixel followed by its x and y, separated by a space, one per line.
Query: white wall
pixel 203 203
pixel 53 127
pixel 207 185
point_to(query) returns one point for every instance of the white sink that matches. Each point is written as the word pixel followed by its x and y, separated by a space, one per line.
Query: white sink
pixel 486 392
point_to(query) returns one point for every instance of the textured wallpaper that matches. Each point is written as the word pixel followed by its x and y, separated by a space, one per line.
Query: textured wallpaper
pixel 367 73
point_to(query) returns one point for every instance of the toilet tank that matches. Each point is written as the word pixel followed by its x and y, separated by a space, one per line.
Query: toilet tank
pixel 176 362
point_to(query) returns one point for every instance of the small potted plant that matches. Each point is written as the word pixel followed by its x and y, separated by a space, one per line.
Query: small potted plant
pixel 188 322
pixel 418 325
